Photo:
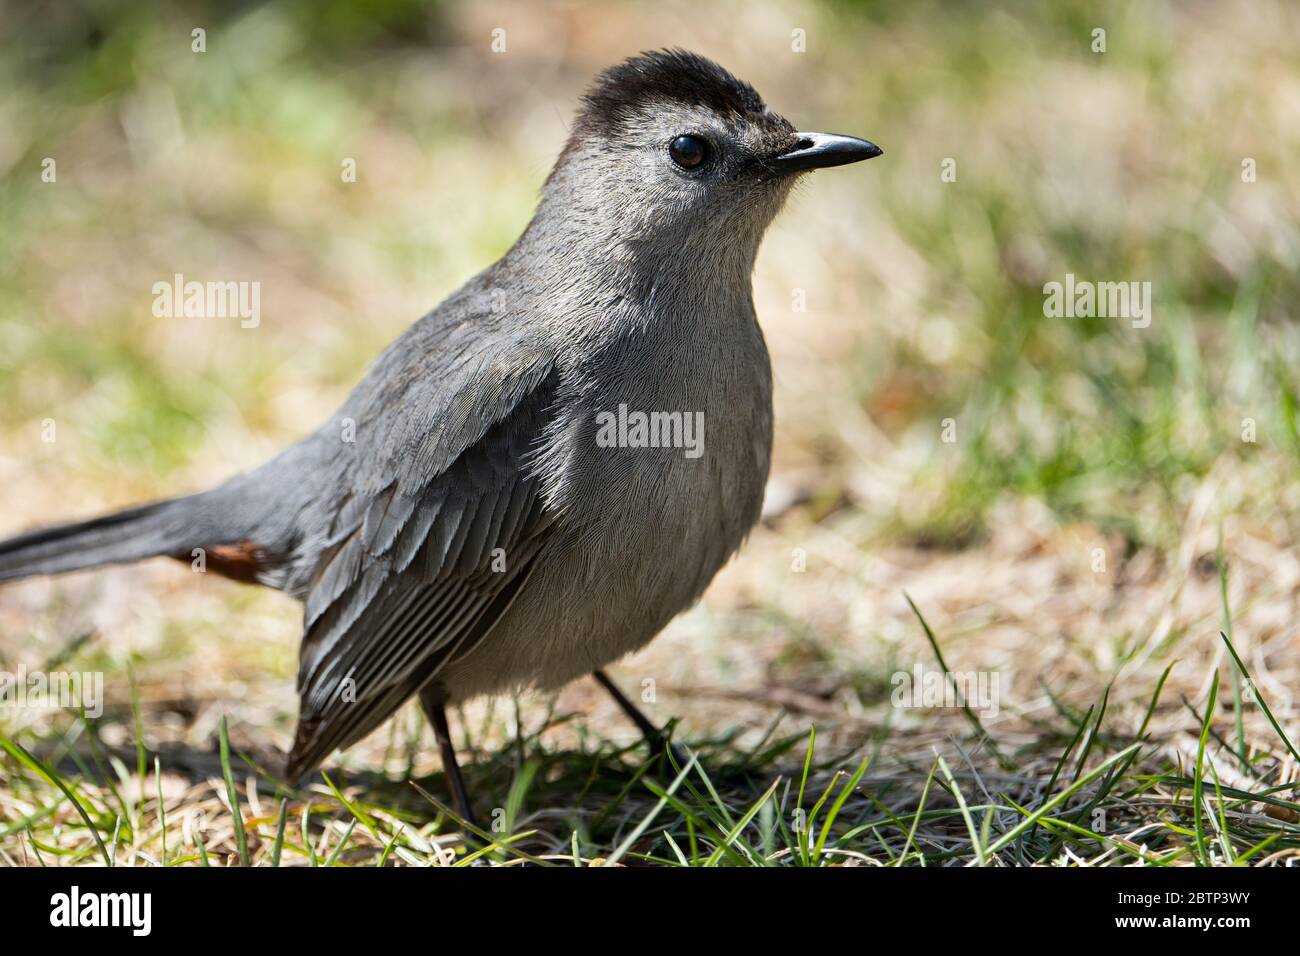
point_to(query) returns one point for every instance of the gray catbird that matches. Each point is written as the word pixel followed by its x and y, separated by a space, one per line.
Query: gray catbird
pixel 541 472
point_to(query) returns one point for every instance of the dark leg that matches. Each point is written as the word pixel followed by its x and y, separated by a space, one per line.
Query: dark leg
pixel 431 702
pixel 659 745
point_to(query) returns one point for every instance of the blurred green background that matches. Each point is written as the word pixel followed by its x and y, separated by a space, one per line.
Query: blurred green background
pixel 925 297
pixel 924 304
pixel 1064 538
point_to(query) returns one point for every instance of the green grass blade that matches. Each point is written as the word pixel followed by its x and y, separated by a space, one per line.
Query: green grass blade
pixel 981 856
pixel 1259 698
pixel 343 842
pixel 1054 802
pixel 16 751
pixel 278 845
pixel 241 838
pixel 734 833
pixel 1198 785
pixel 162 808
pixel 803 834
pixel 389 847
pixel 641 827
pixel 139 728
pixel 965 706
pixel 1237 719
pixel 838 805
pixel 916 818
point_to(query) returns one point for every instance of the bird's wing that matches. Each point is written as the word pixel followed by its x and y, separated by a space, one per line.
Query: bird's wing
pixel 414 572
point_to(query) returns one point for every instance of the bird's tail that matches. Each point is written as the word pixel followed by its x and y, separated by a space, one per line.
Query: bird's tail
pixel 162 528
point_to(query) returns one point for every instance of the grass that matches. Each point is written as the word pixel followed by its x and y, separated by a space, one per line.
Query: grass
pixel 1110 532
pixel 605 805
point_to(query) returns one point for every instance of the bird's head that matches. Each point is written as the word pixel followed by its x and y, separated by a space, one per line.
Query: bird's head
pixel 670 146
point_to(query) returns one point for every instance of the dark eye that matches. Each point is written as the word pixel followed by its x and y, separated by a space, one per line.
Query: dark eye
pixel 688 152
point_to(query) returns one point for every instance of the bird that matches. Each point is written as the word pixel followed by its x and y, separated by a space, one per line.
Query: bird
pixel 534 478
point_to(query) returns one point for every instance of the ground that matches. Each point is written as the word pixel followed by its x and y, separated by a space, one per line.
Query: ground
pixel 1095 517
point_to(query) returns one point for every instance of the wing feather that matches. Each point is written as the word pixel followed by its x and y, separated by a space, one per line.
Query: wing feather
pixel 411 585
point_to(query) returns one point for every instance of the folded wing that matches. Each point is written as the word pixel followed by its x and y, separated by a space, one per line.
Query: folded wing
pixel 416 571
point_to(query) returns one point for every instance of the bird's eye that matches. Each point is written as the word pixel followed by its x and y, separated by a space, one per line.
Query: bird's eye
pixel 688 152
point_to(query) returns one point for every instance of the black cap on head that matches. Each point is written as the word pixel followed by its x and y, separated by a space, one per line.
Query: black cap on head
pixel 681 78
pixel 675 76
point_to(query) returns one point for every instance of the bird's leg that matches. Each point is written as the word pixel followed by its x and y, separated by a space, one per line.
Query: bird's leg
pixel 431 702
pixel 654 736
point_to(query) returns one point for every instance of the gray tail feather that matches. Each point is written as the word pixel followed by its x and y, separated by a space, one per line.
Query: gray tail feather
pixel 131 535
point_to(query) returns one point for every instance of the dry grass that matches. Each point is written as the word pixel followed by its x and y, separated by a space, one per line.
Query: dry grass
pixel 924 304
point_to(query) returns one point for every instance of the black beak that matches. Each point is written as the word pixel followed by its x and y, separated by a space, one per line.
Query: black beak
pixel 817 150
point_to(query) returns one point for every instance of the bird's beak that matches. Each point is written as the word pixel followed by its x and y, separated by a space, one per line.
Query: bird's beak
pixel 817 150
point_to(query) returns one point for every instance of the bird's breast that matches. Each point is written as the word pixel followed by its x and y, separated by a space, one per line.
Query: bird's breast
pixel 653 470
pixel 664 445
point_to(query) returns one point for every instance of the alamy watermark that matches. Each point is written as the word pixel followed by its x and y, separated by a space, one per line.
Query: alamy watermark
pixel 636 429
pixel 53 690
pixel 75 908
pixel 1081 299
pixel 179 299
pixel 932 689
